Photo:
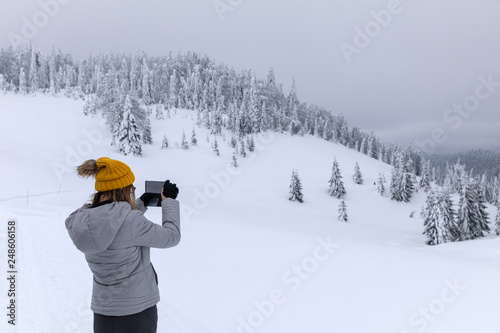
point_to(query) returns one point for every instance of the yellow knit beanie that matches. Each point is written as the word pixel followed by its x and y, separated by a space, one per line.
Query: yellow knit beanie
pixel 109 174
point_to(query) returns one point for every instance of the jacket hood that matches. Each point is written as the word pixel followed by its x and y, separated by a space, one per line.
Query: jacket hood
pixel 94 229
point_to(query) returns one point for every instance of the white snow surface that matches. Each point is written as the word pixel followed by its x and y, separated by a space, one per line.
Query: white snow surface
pixel 249 260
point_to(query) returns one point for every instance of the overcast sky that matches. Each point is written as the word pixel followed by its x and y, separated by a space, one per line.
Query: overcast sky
pixel 399 77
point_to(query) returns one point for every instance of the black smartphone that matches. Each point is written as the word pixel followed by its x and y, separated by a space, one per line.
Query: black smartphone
pixel 154 187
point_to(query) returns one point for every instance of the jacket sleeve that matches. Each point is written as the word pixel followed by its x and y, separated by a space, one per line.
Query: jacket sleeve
pixel 147 233
pixel 140 205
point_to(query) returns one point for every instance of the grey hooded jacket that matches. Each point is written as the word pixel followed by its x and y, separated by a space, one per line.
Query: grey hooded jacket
pixel 116 240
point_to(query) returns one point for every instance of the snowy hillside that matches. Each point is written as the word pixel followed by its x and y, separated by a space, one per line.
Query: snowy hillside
pixel 250 260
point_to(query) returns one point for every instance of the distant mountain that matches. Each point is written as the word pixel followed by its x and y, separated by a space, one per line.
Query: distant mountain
pixel 479 160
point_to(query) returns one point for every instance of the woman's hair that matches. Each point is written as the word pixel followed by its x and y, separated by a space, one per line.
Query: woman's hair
pixel 121 194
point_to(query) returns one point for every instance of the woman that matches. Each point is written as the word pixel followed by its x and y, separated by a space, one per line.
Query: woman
pixel 115 237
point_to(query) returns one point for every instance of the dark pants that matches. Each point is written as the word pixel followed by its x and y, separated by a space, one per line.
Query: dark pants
pixel 142 322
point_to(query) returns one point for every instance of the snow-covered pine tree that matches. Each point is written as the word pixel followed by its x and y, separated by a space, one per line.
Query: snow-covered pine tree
pixel 363 147
pixel 336 184
pixel 251 144
pixel 295 188
pixel 466 219
pixel 425 180
pixel 414 182
pixel 216 147
pixel 472 218
pixel 159 112
pixel 164 142
pixel 146 133
pixel 233 143
pixel 380 184
pixel 433 226
pixel 402 186
pixel 172 91
pixel 342 216
pixel 33 73
pixel 216 127
pixel 145 83
pixel 194 141
pixel 396 186
pixel 184 143
pixel 448 215
pixel 129 139
pixel 243 151
pixel 90 106
pixel 23 84
pixel 357 177
pixel 497 220
pixel 481 210
pixel 234 161
pixel 439 219
pixel 407 182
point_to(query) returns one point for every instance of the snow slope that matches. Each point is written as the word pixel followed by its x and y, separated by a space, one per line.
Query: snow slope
pixel 249 260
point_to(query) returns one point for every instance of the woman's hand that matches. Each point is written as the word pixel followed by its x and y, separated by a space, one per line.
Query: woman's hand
pixel 169 190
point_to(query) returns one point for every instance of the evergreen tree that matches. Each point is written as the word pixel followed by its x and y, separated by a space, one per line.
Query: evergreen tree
pixel 243 151
pixel 482 214
pixel 194 141
pixel 159 112
pixel 234 161
pixel 90 106
pixel 357 177
pixel 343 212
pixel 407 183
pixel 234 142
pixel 145 84
pixel 52 74
pixel 81 81
pixel 23 84
pixel 402 186
pixel 448 214
pixel 184 143
pixel 251 144
pixel 472 218
pixel 216 147
pixel 216 127
pixel 395 187
pixel 425 180
pixel 380 184
pixel 336 184
pixel 146 134
pixel 128 132
pixel 497 220
pixel 172 91
pixel 134 75
pixel 164 142
pixel 33 73
pixel 438 214
pixel 295 188
pixel 363 148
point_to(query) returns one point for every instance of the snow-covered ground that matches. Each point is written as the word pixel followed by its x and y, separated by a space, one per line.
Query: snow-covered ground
pixel 249 260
